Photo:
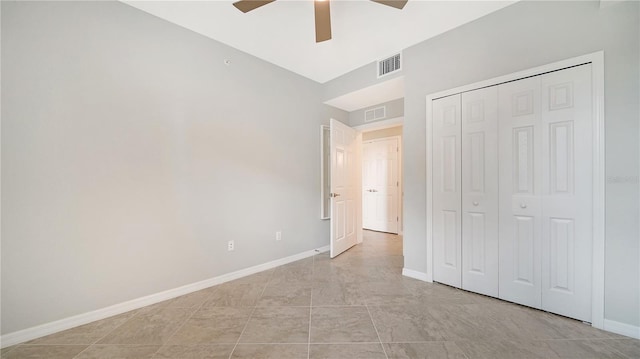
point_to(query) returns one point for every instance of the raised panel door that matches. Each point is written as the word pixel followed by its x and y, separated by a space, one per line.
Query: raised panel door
pixel 447 248
pixel 344 187
pixel 567 191
pixel 381 185
pixel 480 191
pixel 520 141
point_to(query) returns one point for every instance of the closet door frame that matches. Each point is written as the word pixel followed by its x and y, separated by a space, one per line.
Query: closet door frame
pixel 596 60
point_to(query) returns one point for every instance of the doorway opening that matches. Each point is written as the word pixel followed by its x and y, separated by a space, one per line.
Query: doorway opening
pixel 355 185
pixel 382 180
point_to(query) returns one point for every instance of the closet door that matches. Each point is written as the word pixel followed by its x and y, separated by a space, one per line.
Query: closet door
pixel 446 191
pixel 567 192
pixel 520 162
pixel 480 191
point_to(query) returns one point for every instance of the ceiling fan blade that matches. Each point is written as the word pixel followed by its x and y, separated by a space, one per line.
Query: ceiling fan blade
pixel 398 4
pixel 323 20
pixel 248 5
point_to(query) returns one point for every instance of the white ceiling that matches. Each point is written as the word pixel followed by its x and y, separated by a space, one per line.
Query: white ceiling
pixel 283 32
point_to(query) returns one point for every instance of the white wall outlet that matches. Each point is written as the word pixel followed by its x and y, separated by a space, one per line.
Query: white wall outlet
pixel 278 235
pixel 230 245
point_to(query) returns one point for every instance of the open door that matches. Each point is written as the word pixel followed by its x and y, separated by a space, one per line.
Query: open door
pixel 345 188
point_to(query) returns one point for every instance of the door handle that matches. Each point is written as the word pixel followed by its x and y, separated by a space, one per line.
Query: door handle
pixel 523 205
pixel 334 195
pixel 374 190
pixel 475 203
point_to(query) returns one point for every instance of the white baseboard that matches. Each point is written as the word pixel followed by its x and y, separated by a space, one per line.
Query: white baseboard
pixel 414 274
pixel 42 330
pixel 622 328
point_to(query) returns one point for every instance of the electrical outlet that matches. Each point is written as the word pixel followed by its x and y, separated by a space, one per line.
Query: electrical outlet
pixel 230 245
pixel 278 235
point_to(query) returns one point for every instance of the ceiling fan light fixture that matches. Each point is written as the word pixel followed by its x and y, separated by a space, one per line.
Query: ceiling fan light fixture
pixel 323 20
pixel 248 5
pixel 322 13
pixel 398 4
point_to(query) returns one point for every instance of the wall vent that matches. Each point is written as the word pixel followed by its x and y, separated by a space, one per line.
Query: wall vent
pixel 375 114
pixel 389 65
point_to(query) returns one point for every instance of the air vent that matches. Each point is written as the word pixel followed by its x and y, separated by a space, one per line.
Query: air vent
pixel 389 65
pixel 375 114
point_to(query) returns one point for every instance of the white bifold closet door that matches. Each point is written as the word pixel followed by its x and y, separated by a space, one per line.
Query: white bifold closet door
pixel 465 191
pixel 520 133
pixel 447 198
pixel 512 191
pixel 545 131
pixel 480 191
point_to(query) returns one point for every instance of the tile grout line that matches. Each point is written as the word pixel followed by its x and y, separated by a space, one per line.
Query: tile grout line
pixel 185 322
pixel 195 310
pixel 251 315
pixel 137 314
pixel 376 329
pixel 109 332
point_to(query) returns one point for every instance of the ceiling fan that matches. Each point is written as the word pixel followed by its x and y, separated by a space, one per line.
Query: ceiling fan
pixel 323 17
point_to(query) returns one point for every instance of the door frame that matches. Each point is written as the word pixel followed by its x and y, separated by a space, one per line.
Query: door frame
pixel 596 60
pixel 400 177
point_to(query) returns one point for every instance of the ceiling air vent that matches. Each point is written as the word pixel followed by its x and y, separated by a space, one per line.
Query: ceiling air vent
pixel 375 114
pixel 389 65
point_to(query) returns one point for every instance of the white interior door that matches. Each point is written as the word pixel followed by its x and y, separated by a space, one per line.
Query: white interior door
pixel 567 192
pixel 344 188
pixel 380 185
pixel 447 251
pixel 480 191
pixel 520 141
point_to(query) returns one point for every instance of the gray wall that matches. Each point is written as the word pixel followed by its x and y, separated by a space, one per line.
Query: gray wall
pixel 131 155
pixel 522 36
pixel 394 108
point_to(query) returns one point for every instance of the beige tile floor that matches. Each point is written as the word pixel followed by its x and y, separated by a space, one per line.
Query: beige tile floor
pixel 357 305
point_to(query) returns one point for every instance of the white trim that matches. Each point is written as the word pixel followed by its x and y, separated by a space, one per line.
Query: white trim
pixel 380 125
pixel 597 67
pixel 429 191
pixel 599 175
pixel 322 166
pixel 24 335
pixel 359 229
pixel 401 186
pixel 622 328
pixel 415 274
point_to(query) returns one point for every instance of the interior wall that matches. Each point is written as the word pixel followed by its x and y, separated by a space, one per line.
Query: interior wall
pixel 131 154
pixel 526 35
